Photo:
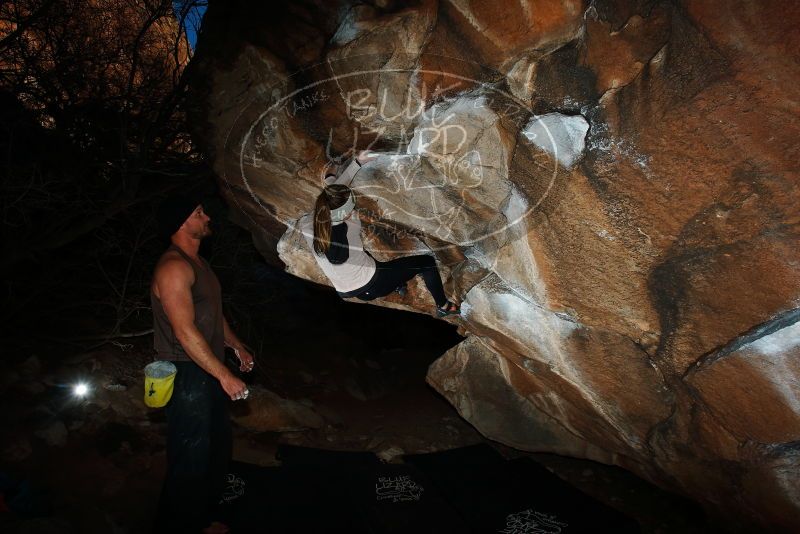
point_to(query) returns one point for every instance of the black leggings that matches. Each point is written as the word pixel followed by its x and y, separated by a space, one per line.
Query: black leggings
pixel 392 274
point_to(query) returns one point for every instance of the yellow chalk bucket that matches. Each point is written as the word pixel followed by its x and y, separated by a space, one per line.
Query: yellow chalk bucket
pixel 159 380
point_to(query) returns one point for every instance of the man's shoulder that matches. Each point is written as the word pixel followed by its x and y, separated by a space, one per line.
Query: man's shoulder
pixel 173 264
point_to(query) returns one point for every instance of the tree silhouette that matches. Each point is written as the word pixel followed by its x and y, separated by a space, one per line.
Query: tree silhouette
pixel 92 130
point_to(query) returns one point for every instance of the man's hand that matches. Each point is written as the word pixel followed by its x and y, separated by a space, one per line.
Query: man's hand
pixel 246 361
pixel 234 387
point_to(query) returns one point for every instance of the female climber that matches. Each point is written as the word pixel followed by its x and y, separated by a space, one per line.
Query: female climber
pixel 335 238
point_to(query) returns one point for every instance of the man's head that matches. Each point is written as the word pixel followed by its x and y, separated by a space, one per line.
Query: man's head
pixel 183 213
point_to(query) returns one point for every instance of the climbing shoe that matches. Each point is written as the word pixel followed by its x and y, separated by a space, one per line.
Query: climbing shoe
pixel 449 308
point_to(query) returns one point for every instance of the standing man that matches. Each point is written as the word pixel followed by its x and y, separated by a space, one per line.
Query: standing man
pixel 191 331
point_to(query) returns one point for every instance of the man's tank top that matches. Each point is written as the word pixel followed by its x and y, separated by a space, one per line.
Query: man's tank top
pixel 207 299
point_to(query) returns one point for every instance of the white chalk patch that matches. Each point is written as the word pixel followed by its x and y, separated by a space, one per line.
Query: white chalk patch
pixel 786 381
pixel 563 136
pixel 515 263
pixel 497 306
pixel 779 342
pixel 517 206
pixel 466 309
pixel 602 141
pixel 605 234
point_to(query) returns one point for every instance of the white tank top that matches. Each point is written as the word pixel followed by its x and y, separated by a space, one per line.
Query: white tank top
pixel 359 267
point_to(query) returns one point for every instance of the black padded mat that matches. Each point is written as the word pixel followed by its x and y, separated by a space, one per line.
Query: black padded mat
pixel 472 489
pixel 398 498
pixel 495 495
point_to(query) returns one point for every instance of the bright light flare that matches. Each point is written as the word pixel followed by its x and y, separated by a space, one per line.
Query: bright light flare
pixel 80 389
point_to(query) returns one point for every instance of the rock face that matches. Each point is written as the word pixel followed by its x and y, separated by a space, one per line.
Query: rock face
pixel 611 191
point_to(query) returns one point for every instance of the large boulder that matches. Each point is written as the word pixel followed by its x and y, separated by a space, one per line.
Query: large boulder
pixel 611 191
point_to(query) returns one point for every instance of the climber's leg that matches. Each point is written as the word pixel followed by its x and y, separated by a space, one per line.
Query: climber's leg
pixel 394 273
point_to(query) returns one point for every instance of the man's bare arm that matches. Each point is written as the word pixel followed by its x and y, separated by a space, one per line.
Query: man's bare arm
pixel 173 280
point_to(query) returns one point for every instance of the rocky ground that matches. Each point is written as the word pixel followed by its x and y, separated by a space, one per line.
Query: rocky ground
pixel 357 383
